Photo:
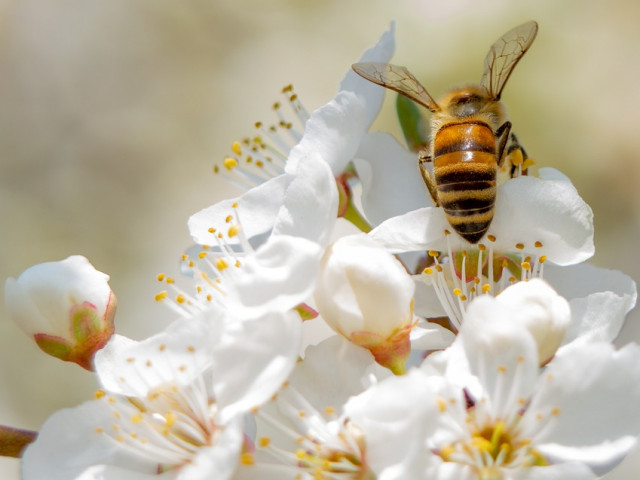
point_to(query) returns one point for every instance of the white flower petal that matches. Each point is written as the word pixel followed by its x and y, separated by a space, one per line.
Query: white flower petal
pixel 588 398
pixel 311 201
pixel 420 229
pixel 333 371
pixel 333 132
pixel 219 461
pixel 252 361
pixel 68 444
pixel 278 276
pixel 430 336
pixel 546 209
pixel 396 416
pixel 257 209
pixel 500 353
pixel 599 298
pixel 392 184
pixel 178 354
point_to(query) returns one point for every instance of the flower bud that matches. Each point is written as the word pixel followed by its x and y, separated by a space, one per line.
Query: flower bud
pixel 66 306
pixel 542 311
pixel 364 293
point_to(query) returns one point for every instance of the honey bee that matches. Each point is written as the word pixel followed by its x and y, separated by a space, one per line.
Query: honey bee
pixel 469 132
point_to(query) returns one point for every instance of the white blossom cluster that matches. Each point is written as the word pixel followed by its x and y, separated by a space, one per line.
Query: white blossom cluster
pixel 308 347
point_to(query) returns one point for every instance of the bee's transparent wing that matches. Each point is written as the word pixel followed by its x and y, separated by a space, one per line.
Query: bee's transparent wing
pixel 503 56
pixel 396 78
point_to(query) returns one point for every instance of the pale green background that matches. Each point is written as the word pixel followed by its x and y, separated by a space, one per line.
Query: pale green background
pixel 112 113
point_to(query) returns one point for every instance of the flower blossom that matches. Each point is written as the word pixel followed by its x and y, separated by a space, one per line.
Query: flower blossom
pixel 484 409
pixel 303 433
pixel 173 403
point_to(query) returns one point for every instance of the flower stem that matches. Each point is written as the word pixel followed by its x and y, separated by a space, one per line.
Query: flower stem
pixel 13 441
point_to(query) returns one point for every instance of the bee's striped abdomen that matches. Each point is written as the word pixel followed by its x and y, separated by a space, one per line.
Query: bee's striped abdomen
pixel 464 168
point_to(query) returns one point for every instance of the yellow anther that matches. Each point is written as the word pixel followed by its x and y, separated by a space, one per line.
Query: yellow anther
pixel 330 410
pixel 434 253
pixel 463 298
pixel 439 268
pixel 457 292
pixel 211 230
pixel 228 218
pixel 259 164
pixel 136 418
pixel 230 163
pixel 447 232
pixel 216 169
pixel 236 148
pixel 184 257
pixel 258 124
pixel 221 264
pixel 99 394
pixel 502 369
pixel 442 404
pixel 486 288
pixel 264 441
pixel 233 231
pixel 520 246
pixel 492 238
pixel 202 255
pixel 538 244
pixel 542 259
pixel 287 88
pixel 276 106
pixel 160 277
pixel 428 271
pixel 170 281
pixel 170 419
pixel 516 157
pixel 505 263
pixel 180 298
pixel 555 412
pixel 529 162
pixel 526 266
pixel 234 205
pixel 161 296
pixel 481 247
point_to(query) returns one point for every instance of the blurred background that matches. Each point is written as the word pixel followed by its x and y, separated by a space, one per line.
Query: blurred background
pixel 112 113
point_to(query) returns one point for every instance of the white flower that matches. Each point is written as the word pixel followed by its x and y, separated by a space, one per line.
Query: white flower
pixel 537 220
pixel 66 306
pixel 172 403
pixel 300 197
pixel 303 434
pixel 483 408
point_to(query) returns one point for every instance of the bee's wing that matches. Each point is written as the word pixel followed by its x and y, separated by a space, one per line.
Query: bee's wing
pixel 396 78
pixel 504 55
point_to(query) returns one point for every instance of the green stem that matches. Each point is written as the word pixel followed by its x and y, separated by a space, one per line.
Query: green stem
pixel 355 217
pixel 13 441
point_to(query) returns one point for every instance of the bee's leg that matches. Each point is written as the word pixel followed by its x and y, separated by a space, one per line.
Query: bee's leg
pixel 518 157
pixel 423 159
pixel 502 135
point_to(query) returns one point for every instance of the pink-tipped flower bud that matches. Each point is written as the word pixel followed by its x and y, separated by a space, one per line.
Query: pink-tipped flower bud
pixel 365 294
pixel 66 306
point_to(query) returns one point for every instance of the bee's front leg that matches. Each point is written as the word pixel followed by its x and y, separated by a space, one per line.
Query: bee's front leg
pixel 423 159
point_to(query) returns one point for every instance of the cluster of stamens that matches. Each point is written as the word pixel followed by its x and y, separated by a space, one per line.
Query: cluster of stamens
pixel 210 266
pixel 331 448
pixel 168 425
pixel 460 276
pixel 257 158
